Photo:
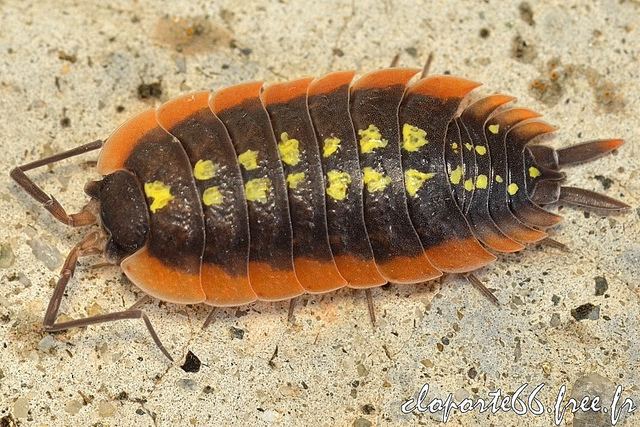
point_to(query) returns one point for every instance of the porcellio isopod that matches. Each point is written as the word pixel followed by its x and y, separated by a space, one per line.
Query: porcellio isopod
pixel 265 193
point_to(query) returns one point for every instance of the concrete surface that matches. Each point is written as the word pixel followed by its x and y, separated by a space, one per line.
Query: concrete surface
pixel 71 71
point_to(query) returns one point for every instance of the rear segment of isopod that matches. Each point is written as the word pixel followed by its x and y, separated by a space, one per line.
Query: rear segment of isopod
pixel 429 106
pixel 477 212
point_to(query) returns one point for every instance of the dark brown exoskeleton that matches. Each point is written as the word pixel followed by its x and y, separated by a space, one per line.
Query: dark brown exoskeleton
pixel 251 194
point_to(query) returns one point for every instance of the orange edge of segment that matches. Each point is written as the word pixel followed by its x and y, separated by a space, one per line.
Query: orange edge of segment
pixel 385 78
pixel 233 96
pixel 542 218
pixel 318 276
pixel 513 116
pixel 492 102
pixel 501 243
pixel 280 93
pixel 525 234
pixel 161 281
pixel 177 110
pixel 224 290
pixel 330 82
pixel 443 87
pixel 271 284
pixel 459 256
pixel 359 273
pixel 122 141
pixel 406 270
pixel 530 130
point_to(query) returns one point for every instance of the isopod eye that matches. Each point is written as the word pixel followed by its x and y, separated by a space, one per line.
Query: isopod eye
pixel 92 189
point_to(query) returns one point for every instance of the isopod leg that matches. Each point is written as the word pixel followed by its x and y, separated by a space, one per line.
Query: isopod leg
pixel 141 301
pixel 427 66
pixel 372 311
pixel 209 318
pixel 554 244
pixel 292 306
pixel 394 61
pixel 477 283
pixel 84 217
pixel 88 246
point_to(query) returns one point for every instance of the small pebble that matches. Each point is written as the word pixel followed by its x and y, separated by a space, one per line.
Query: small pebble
pixel 362 422
pixel 555 320
pixel 269 416
pixel 368 409
pixel 427 363
pixel 7 258
pixel 187 384
pixel 601 285
pixel 191 363
pixel 593 385
pixel 606 182
pixel 106 409
pixel 362 371
pixel 236 333
pixel 586 311
pixel 47 343
pixel 73 406
pixel 94 309
pixel 151 90
pixel 181 65
pixel 48 255
pixel 472 372
pixel 21 407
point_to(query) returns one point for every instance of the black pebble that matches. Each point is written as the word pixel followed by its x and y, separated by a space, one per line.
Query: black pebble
pixel 191 363
pixel 586 311
pixel 152 90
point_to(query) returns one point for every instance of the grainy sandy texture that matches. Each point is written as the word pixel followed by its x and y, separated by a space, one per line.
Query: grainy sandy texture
pixel 70 72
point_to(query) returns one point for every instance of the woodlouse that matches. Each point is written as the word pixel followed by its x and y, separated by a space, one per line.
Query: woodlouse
pixel 225 198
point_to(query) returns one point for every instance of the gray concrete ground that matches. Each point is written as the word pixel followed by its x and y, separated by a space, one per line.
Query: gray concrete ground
pixel 71 71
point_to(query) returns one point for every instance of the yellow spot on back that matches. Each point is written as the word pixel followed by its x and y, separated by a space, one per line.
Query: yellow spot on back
pixel 456 175
pixel 289 149
pixel 468 146
pixel 413 137
pixel 482 181
pixel 499 178
pixel 374 180
pixel 212 196
pixel 414 180
pixel 468 185
pixel 249 159
pixel 494 129
pixel 204 169
pixel 534 172
pixel 481 149
pixel 160 193
pixel 371 139
pixel 293 179
pixel 512 188
pixel 454 147
pixel 338 183
pixel 330 146
pixel 256 190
